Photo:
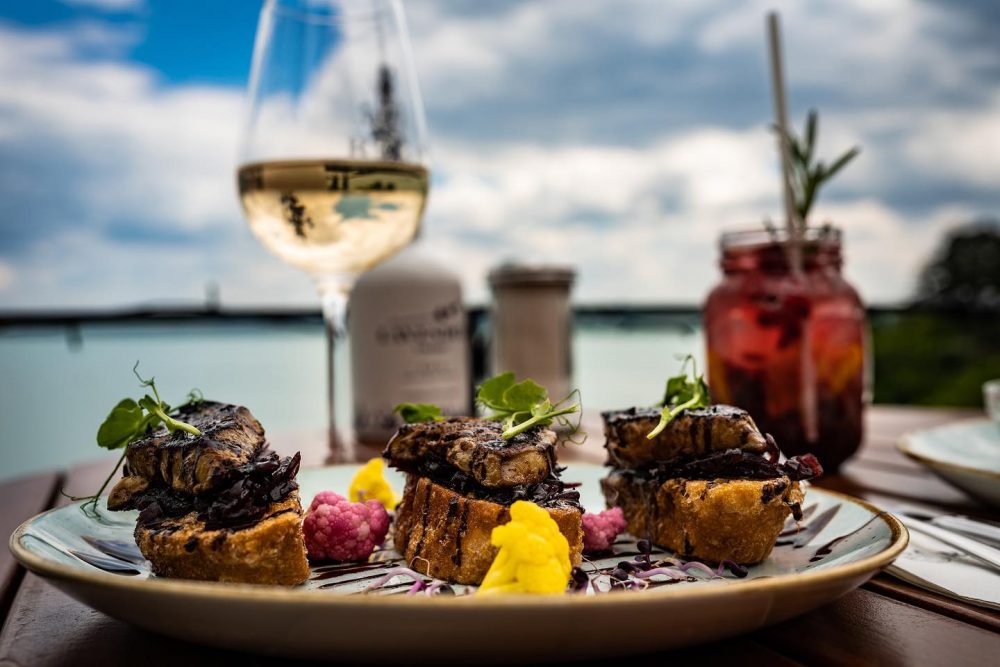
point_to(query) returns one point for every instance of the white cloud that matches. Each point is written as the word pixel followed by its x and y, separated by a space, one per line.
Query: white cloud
pixel 136 151
pixel 125 152
pixel 962 143
pixel 6 276
pixel 638 216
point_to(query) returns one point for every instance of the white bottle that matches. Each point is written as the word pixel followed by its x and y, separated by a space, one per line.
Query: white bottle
pixel 409 343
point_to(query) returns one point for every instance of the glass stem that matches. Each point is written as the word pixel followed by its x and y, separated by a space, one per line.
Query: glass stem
pixel 334 292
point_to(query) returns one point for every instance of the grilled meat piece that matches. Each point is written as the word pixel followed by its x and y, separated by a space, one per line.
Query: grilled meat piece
pixel 691 433
pixel 230 437
pixel 474 447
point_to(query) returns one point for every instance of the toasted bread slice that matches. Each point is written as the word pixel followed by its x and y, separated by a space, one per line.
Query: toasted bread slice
pixel 691 433
pixel 446 535
pixel 712 520
pixel 474 447
pixel 271 551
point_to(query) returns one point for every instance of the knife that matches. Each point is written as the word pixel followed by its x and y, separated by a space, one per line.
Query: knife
pixel 978 550
pixel 983 531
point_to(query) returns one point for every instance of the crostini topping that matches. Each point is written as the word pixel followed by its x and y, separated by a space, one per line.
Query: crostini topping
pixel 337 529
pixel 601 528
pixel 369 483
pixel 533 556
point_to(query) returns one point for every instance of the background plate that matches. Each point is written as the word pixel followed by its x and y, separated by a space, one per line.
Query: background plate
pixel 966 454
pixel 842 542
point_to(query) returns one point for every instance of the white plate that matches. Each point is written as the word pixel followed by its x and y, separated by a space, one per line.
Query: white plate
pixel 330 617
pixel 966 454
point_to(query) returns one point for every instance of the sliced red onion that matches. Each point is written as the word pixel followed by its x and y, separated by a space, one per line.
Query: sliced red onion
pixel 700 567
pixel 673 573
pixel 436 586
pixel 398 572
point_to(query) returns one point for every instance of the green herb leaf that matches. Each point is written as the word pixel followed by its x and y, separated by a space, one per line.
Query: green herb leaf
pixel 682 394
pixel 522 405
pixel 491 391
pixel 418 412
pixel 525 395
pixel 129 420
pixel 807 177
pixel 121 425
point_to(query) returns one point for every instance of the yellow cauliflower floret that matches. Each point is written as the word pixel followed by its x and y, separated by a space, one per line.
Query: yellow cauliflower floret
pixel 370 484
pixel 533 556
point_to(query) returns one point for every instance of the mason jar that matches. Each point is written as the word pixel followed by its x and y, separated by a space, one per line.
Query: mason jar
pixel 790 347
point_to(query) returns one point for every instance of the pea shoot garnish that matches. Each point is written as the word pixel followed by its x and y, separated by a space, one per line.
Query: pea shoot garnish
pixel 682 394
pixel 413 413
pixel 520 405
pixel 523 405
pixel 132 419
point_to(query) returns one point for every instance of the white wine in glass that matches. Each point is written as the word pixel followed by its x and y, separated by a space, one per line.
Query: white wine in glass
pixel 332 178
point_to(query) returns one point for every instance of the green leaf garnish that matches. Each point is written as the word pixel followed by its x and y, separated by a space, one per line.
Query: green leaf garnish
pixel 413 413
pixel 131 419
pixel 682 394
pixel 806 176
pixel 522 405
pixel 491 391
pixel 121 425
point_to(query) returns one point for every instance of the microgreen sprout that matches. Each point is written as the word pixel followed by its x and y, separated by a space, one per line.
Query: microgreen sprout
pixel 524 405
pixel 130 420
pixel 682 394
pixel 413 413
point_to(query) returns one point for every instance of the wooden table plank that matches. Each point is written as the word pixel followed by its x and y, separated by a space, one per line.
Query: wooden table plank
pixel 866 628
pixel 21 499
pixel 889 586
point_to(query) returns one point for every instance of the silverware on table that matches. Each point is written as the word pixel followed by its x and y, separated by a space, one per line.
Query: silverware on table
pixel 976 549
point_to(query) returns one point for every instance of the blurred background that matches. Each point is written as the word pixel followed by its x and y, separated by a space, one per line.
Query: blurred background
pixel 617 136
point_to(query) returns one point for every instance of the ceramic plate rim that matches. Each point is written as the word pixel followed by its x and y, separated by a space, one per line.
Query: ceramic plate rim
pixel 237 592
pixel 905 445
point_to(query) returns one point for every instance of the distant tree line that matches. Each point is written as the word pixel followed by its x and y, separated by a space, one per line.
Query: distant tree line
pixel 964 273
pixel 940 351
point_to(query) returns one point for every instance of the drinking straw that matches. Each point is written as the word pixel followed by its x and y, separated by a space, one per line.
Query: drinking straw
pixel 807 377
pixel 781 120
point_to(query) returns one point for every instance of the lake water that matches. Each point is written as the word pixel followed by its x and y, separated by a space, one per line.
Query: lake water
pixel 56 388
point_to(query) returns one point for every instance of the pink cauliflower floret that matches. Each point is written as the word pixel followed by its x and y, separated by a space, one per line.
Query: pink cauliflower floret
pixel 601 529
pixel 337 529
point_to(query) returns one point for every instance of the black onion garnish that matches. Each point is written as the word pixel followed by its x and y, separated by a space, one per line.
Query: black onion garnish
pixel 734 464
pixel 241 498
pixel 578 579
pixel 550 492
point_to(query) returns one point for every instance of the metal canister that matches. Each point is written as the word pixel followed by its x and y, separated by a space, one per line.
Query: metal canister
pixel 532 323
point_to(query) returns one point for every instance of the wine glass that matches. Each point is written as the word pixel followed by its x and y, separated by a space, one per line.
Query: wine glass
pixel 332 178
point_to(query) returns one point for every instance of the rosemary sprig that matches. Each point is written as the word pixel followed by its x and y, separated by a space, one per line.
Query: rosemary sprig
pixel 808 176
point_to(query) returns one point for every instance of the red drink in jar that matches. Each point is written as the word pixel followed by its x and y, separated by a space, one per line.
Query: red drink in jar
pixel 788 347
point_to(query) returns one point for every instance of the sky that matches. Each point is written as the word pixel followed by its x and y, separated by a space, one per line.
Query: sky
pixel 620 136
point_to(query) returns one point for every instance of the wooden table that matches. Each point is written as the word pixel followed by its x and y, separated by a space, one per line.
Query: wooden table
pixel 885 622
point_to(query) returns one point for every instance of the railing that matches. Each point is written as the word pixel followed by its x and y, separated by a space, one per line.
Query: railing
pixel 922 356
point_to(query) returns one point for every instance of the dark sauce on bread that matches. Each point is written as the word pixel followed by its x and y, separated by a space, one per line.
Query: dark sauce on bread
pixel 550 492
pixel 240 498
